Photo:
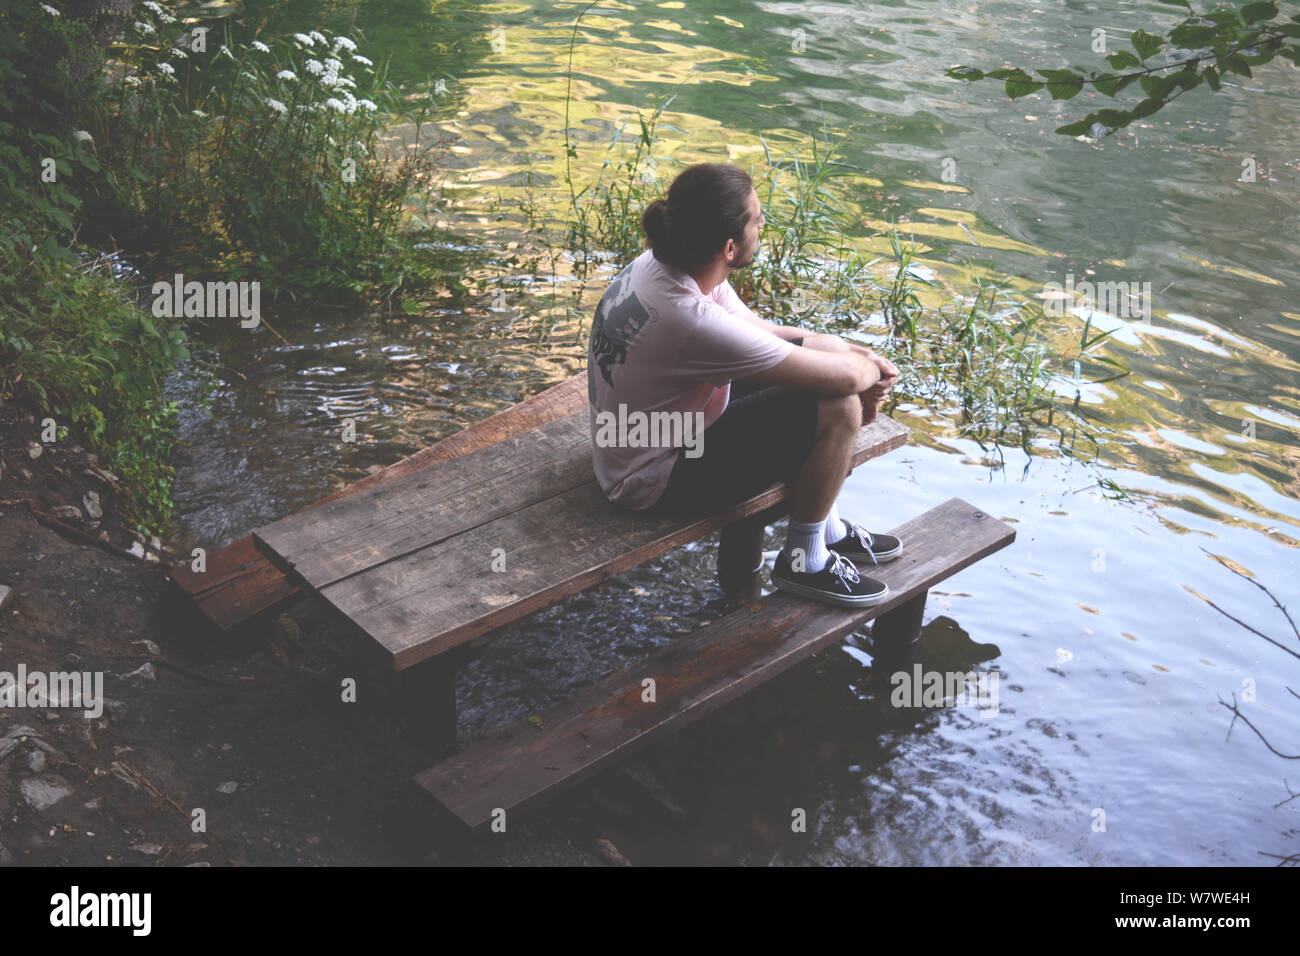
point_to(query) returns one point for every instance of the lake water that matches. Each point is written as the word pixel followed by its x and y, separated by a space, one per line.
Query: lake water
pixel 1108 745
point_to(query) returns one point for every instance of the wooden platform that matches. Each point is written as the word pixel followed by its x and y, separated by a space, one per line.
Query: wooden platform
pixel 696 674
pixel 432 558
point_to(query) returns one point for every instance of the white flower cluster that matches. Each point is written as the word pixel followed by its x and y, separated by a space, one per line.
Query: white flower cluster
pixel 159 11
pixel 286 75
pixel 144 27
pixel 166 69
pixel 358 58
pixel 276 105
pixel 50 10
pixel 260 47
pixel 343 43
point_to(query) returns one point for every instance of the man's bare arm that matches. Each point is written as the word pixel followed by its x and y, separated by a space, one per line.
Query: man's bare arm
pixel 834 374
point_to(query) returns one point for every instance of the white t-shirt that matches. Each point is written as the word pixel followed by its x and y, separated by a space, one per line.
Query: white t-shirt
pixel 660 345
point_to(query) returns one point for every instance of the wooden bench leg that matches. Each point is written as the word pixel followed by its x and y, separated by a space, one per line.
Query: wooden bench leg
pixel 740 557
pixel 900 627
pixel 429 701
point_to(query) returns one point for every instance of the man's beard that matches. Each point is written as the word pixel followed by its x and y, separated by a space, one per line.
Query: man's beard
pixel 748 261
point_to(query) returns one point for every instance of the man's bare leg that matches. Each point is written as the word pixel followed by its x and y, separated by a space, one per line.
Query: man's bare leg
pixel 819 479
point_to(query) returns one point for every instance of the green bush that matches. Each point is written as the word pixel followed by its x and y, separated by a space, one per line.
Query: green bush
pixel 263 161
pixel 73 342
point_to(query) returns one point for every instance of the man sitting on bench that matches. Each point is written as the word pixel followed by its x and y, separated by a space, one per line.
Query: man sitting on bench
pixel 669 339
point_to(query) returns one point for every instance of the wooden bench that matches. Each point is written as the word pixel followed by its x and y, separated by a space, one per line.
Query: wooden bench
pixel 614 718
pixel 431 558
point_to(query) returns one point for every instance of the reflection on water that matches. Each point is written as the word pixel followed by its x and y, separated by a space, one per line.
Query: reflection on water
pixel 1110 659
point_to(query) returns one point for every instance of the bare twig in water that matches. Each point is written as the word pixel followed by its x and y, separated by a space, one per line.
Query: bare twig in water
pixel 1238 715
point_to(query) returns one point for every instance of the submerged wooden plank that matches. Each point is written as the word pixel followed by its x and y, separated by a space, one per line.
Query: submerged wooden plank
pixel 434 599
pixel 379 524
pixel 239 581
pixel 609 720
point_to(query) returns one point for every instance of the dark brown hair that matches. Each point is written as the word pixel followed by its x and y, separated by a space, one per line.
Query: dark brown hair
pixel 706 206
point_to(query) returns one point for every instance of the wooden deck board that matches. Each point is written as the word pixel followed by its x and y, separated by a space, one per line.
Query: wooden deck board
pixel 694 675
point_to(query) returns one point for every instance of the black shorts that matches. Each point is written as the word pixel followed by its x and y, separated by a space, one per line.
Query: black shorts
pixel 762 437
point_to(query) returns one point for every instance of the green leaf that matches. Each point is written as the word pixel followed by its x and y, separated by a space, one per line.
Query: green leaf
pixel 1253 12
pixel 1235 64
pixel 965 73
pixel 1021 84
pixel 1107 83
pixel 1147 107
pixel 1212 77
pixel 1191 37
pixel 1075 129
pixel 1122 59
pixel 1065 89
pixel 1146 44
pixel 1157 86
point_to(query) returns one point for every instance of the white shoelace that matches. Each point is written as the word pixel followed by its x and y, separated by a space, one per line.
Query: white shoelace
pixel 865 536
pixel 842 567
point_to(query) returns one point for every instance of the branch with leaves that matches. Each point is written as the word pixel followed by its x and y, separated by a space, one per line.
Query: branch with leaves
pixel 1201 49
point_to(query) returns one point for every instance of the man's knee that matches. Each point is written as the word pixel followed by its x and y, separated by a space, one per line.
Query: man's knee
pixel 840 414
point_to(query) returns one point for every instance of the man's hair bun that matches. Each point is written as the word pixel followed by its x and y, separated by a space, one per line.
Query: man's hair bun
pixel 707 204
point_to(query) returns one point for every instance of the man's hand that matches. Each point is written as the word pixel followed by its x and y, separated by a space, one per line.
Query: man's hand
pixel 873 396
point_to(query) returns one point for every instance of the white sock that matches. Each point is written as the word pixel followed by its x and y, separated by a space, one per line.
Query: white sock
pixel 808 538
pixel 835 528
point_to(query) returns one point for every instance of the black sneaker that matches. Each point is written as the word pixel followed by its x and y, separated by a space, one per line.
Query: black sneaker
pixel 861 546
pixel 837 583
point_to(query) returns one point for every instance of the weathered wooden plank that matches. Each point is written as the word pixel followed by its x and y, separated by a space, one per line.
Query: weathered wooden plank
pixel 434 599
pixel 239 581
pixel 609 720
pixel 341 538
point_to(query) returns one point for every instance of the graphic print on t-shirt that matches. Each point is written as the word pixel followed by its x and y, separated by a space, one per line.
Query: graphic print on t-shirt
pixel 620 317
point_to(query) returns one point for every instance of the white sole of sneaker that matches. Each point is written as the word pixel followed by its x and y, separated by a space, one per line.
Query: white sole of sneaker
pixel 840 600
